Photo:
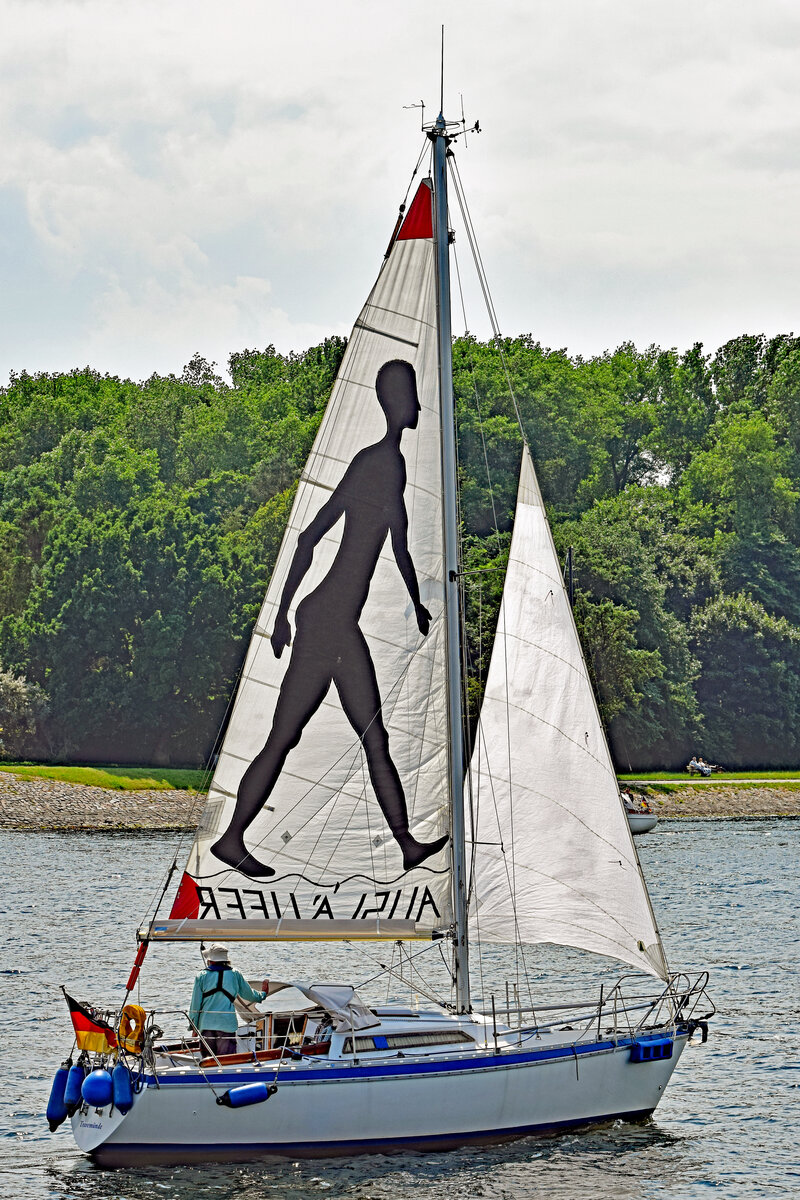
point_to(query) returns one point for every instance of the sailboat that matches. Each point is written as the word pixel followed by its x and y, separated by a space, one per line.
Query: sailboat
pixel 344 805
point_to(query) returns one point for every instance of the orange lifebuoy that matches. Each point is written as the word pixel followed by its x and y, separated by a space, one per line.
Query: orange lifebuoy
pixel 131 1028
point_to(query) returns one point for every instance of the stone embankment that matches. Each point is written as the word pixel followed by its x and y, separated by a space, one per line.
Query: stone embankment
pixel 51 804
pixel 717 800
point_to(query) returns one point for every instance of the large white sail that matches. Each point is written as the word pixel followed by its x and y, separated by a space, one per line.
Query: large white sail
pixel 327 815
pixel 553 856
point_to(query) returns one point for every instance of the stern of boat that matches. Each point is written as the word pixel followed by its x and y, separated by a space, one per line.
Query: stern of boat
pixel 91 1127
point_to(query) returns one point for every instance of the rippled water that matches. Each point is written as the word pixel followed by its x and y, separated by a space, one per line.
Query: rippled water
pixel 726 897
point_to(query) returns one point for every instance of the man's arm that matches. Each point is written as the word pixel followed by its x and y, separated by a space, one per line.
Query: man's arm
pixel 399 530
pixel 325 519
pixel 246 992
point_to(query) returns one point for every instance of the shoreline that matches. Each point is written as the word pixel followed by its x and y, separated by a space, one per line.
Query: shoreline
pixel 722 802
pixel 42 805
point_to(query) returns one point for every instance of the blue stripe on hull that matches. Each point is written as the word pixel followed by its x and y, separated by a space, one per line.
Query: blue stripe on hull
pixel 289 1074
pixel 110 1155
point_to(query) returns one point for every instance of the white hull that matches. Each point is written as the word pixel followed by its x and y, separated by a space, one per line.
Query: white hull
pixel 642 822
pixel 341 1107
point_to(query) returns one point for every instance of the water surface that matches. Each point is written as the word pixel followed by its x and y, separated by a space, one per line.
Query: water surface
pixel 725 895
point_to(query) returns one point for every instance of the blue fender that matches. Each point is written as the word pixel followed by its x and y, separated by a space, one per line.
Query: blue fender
pixel 72 1092
pixel 56 1107
pixel 97 1089
pixel 248 1093
pixel 122 1089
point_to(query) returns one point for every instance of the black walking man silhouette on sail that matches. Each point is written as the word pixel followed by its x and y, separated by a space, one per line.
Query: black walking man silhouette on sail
pixel 329 647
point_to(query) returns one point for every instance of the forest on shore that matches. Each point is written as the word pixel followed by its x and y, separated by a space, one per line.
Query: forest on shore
pixel 139 523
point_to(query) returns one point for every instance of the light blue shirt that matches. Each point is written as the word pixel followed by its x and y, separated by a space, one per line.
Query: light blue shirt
pixel 212 1009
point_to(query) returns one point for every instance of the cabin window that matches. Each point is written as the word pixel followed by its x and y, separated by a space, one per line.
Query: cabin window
pixel 406 1041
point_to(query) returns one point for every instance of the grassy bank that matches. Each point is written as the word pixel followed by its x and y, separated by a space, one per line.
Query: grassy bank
pixel 118 778
pixel 684 778
pixel 134 779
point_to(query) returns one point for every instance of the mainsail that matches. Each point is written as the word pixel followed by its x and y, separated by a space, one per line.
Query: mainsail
pixel 337 742
pixel 553 856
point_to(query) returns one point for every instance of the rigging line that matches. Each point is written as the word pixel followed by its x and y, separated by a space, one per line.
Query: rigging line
pixel 396 973
pixel 473 241
pixel 303 503
pixel 372 847
pixel 352 748
pixel 154 904
pixel 416 979
pixel 465 747
pixel 474 799
pixel 355 745
pixel 450 972
pixel 504 856
pixel 389 976
pixel 477 399
pixel 518 949
pixel 451 975
pixel 484 284
pixel 340 388
pixel 358 746
pixel 504 643
pixel 473 805
pixel 474 810
pixel 357 335
pixel 490 308
pixel 426 148
pixel 334 850
pixel 207 777
pixel 351 349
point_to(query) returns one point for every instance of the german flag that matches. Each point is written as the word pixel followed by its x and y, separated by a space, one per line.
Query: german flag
pixel 90 1032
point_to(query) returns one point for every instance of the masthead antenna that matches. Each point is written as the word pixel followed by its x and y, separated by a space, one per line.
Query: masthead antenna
pixel 441 90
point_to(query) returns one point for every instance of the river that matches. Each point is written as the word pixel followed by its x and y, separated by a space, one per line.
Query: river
pixel 725 893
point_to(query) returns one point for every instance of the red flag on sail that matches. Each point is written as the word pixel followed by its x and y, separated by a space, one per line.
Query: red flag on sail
pixel 91 1033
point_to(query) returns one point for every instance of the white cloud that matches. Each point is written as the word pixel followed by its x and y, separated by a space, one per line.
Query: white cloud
pixel 158 329
pixel 200 177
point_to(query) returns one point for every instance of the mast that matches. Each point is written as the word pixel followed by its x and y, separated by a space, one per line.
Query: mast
pixel 438 135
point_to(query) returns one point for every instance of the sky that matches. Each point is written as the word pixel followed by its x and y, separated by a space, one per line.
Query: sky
pixel 181 176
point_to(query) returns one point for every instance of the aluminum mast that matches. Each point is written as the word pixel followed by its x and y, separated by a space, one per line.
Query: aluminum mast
pixel 438 135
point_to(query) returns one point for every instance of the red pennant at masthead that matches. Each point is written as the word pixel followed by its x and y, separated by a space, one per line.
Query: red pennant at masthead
pixel 419 218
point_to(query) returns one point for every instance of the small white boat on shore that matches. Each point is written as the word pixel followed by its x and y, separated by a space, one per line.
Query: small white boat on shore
pixel 641 817
pixel 354 819
pixel 642 822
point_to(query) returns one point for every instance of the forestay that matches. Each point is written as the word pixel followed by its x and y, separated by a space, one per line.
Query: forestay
pixel 553 856
pixel 331 862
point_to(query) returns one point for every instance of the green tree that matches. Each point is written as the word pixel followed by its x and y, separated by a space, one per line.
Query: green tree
pixel 628 556
pixel 749 682
pixel 743 479
pixel 22 707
